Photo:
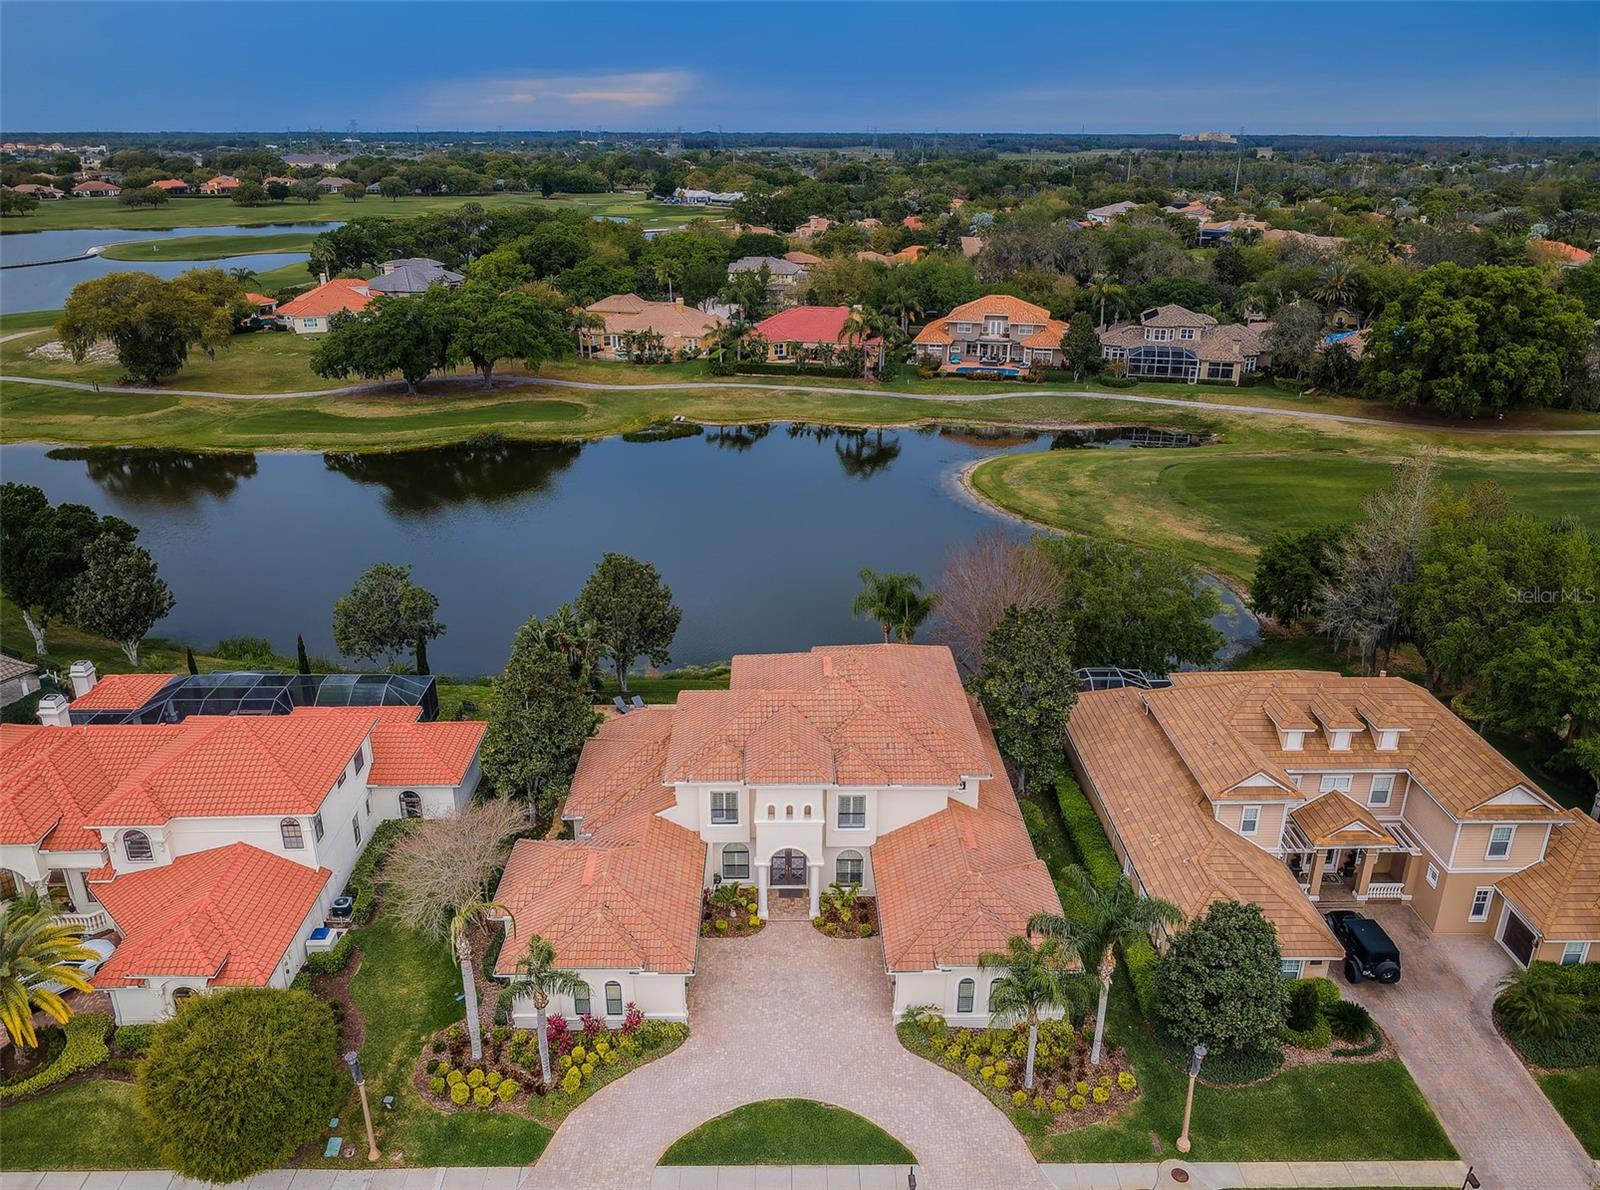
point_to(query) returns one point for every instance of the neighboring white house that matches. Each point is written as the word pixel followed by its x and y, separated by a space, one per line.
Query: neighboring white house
pixel 861 764
pixel 18 679
pixel 1109 212
pixel 213 843
pixel 312 311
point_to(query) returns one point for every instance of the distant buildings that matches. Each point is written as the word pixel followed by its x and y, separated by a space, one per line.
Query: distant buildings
pixel 707 198
pixel 96 189
pixel 783 276
pixel 413 274
pixel 1208 138
pixel 1109 212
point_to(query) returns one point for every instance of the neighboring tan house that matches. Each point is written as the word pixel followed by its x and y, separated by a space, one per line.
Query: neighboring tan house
pixel 221 184
pixel 682 328
pixel 18 679
pixel 333 185
pixel 309 314
pixel 863 764
pixel 1171 343
pixel 175 186
pixel 804 259
pixel 810 229
pixel 210 821
pixel 783 276
pixel 97 189
pixel 1109 212
pixel 39 191
pixel 1301 791
pixel 412 275
pixel 802 332
pixel 999 333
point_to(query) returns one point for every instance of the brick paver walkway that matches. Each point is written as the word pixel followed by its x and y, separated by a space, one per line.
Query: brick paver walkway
pixel 789 1013
pixel 1438 1017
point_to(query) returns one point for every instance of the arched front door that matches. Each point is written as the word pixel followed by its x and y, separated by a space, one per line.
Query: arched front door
pixel 788 869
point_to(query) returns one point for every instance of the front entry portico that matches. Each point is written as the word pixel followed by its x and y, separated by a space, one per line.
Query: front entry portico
pixel 789 874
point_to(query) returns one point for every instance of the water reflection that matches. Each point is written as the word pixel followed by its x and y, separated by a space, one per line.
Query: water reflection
pixel 427 482
pixel 864 453
pixel 737 438
pixel 162 478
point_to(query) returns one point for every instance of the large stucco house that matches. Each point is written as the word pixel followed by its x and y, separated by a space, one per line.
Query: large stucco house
pixel 207 823
pixel 997 334
pixel 685 331
pixel 865 764
pixel 1172 343
pixel 1301 791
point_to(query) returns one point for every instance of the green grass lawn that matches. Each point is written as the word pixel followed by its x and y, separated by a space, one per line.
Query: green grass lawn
pixel 788 1132
pixel 89 1125
pixel 65 644
pixel 1327 1112
pixel 208 247
pixel 1576 1095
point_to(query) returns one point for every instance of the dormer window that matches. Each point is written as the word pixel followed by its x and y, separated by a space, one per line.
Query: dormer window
pixel 1292 741
pixel 1157 334
pixel 1187 332
pixel 1339 741
pixel 1387 740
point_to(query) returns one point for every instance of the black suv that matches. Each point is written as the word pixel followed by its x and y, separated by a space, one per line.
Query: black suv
pixel 1369 953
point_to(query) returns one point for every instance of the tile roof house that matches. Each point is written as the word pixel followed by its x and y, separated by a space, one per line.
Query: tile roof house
pixel 783 276
pixel 1109 212
pixel 1172 343
pixel 802 332
pixel 39 190
pixel 211 845
pixel 684 330
pixel 995 335
pixel 810 229
pixel 18 679
pixel 1567 256
pixel 172 185
pixel 221 184
pixel 1300 790
pixel 97 189
pixel 863 764
pixel 310 313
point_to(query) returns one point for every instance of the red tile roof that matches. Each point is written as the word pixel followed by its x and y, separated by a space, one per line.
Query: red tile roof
pixel 424 753
pixel 228 915
pixel 805 324
pixel 171 184
pixel 342 293
pixel 118 692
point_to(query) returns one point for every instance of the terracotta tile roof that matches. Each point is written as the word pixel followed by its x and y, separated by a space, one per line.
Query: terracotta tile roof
pixel 259 299
pixel 1558 252
pixel 805 324
pixel 620 769
pixel 424 753
pixel 908 254
pixel 171 184
pixel 1561 893
pixel 961 881
pixel 229 915
pixel 802 258
pixel 1178 849
pixel 342 293
pixel 1333 820
pixel 628 313
pixel 869 714
pixel 872 257
pixel 1002 304
pixel 117 692
pixel 632 903
pixel 913 222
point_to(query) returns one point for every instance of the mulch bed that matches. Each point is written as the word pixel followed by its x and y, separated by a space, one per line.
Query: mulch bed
pixel 335 989
pixel 730 921
pixel 866 910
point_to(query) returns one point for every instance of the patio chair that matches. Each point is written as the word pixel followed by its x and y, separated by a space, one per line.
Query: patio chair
pixel 616 701
pixel 638 703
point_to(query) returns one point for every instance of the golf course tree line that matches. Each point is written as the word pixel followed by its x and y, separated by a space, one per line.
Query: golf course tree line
pixel 1503 608
pixel 65 562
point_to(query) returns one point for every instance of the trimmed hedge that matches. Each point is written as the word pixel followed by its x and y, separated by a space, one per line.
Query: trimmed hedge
pixel 363 882
pixel 752 368
pixel 85 1049
pixel 1088 836
pixel 135 1039
pixel 1140 958
pixel 326 962
pixel 1038 828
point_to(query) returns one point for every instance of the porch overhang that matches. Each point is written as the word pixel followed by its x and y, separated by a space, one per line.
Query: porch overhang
pixel 1296 841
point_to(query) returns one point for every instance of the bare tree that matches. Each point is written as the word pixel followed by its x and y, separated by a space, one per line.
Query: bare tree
pixel 1361 603
pixel 980 580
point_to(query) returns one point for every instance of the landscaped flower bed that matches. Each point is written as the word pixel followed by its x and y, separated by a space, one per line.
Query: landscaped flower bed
pixel 507 1077
pixel 1067 1092
pixel 729 911
pixel 844 913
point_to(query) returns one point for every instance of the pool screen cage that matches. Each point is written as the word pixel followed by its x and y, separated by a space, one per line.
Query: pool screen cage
pixel 1111 678
pixel 253 692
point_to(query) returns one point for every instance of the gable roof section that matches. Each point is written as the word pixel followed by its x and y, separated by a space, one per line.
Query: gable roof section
pixel 118 692
pixel 1561 893
pixel 628 312
pixel 423 753
pixel 1333 820
pixel 620 768
pixel 1014 309
pixel 228 915
pixel 342 293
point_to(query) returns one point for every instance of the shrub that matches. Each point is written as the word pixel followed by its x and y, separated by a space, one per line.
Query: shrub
pixel 1077 1103
pixel 1349 1021
pixel 1537 1005
pixel 491 952
pixel 437 1085
pixel 504 1002
pixel 335 958
pixel 572 1081
pixel 973 1061
pixel 1038 826
pixel 1303 1009
pixel 483 1097
pixel 579 1053
pixel 274 1050
pixel 1126 1081
pixel 1087 835
pixel 459 1094
pixel 1220 983
pixel 363 884
pixel 474 1077
pixel 84 1049
pixel 818 921
pixel 493 1079
pixel 1038 1103
pixel 1001 1082
pixel 1002 1066
pixel 609 1057
pixel 755 921
pixel 830 929
pixel 566 1061
pixel 1101 1094
pixel 1057 1106
pixel 986 1073
pixel 588 1068
pixel 454 1077
pixel 1019 1098
pixel 134 1039
pixel 722 926
pixel 507 1090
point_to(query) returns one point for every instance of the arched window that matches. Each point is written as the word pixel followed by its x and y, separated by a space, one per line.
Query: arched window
pixel 735 862
pixel 613 998
pixel 808 810
pixel 294 837
pixel 772 811
pixel 136 847
pixel 179 995
pixel 964 993
pixel 848 868
pixel 410 804
pixel 788 811
pixel 580 1000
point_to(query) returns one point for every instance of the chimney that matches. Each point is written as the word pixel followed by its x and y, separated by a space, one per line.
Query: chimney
pixel 53 711
pixel 678 302
pixel 1383 673
pixel 83 678
pixel 322 278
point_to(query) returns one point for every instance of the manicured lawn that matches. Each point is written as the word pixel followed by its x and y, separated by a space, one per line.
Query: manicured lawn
pixel 788 1132
pixel 1576 1095
pixel 66 644
pixel 208 247
pixel 1327 1112
pixel 89 1125
pixel 31 320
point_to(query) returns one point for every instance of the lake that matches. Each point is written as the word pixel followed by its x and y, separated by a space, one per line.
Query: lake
pixel 760 531
pixel 46 287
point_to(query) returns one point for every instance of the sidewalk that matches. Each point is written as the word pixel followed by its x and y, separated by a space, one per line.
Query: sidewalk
pixel 503 1177
pixel 1246 1175
pixel 784 1177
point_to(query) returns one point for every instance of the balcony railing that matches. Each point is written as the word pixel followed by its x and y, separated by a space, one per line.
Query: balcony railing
pixel 94 922
pixel 1385 891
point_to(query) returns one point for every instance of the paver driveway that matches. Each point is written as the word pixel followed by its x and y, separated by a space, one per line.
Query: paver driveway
pixel 788 1013
pixel 1438 1016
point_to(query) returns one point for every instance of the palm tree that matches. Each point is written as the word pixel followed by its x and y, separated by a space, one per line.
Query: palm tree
pixel 35 951
pixel 242 273
pixel 1105 288
pixel 466 916
pixel 1113 914
pixel 896 601
pixel 538 976
pixel 575 637
pixel 1035 982
pixel 903 306
pixel 666 274
pixel 856 330
pixel 841 898
pixel 1337 284
pixel 1534 1003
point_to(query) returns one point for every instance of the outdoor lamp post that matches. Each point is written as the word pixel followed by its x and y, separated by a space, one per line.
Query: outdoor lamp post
pixel 354 1061
pixel 1472 1182
pixel 1188 1102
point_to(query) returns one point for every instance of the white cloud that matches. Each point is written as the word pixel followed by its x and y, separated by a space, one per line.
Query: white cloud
pixel 551 101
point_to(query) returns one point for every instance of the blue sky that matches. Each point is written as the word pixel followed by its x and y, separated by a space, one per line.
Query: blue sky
pixel 1448 68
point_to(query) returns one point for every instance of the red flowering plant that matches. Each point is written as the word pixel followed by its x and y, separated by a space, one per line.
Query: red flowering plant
pixel 633 1019
pixel 593 1026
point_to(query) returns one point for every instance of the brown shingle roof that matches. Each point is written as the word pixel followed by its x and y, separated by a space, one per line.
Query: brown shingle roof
pixel 628 313
pixel 1561 893
pixel 1333 820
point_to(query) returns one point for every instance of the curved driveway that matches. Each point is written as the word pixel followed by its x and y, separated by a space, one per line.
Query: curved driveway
pixel 789 1013
pixel 514 381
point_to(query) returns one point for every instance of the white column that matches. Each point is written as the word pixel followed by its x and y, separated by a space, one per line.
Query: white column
pixel 761 890
pixel 814 874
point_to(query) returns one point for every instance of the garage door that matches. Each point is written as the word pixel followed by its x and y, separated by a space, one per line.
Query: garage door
pixel 1518 937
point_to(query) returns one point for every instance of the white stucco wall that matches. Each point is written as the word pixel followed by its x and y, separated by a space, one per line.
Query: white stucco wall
pixel 942 988
pixel 660 997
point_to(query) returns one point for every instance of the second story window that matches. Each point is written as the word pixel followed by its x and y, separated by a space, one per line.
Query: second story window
pixel 1500 842
pixel 852 811
pixel 1332 782
pixel 294 837
pixel 1249 820
pixel 316 826
pixel 1382 789
pixel 724 806
pixel 136 847
pixel 361 760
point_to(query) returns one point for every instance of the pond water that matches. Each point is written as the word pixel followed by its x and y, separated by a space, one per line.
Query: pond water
pixel 760 531
pixel 46 286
